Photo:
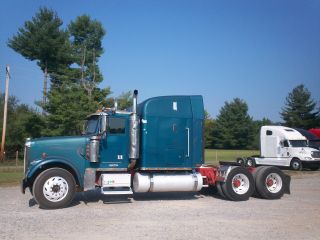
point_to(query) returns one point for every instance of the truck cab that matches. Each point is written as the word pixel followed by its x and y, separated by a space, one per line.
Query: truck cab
pixel 154 147
pixel 113 141
pixel 283 146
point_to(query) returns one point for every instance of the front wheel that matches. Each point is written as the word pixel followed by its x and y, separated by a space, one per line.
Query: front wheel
pixel 296 164
pixel 54 188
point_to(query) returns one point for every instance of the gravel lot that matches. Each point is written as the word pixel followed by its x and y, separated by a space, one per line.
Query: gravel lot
pixel 166 216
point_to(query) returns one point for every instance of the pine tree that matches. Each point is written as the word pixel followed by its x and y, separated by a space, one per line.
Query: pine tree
pixel 300 110
pixel 69 105
pixel 209 124
pixel 74 92
pixel 43 40
pixel 86 39
pixel 233 127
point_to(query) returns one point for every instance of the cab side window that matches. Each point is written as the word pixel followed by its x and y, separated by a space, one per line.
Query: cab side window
pixel 117 126
pixel 285 143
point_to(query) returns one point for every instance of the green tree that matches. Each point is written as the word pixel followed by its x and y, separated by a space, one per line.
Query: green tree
pixel 43 40
pixel 86 39
pixel 300 110
pixel 209 124
pixel 22 122
pixel 257 124
pixel 233 127
pixel 74 92
pixel 68 106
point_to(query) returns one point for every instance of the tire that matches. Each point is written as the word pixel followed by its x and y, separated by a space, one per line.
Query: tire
pixel 254 174
pixel 251 162
pixel 54 188
pixel 220 191
pixel 269 182
pixel 241 161
pixel 296 164
pixel 239 185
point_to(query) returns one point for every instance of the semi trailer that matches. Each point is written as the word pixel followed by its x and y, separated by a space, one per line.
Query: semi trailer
pixel 157 146
pixel 284 147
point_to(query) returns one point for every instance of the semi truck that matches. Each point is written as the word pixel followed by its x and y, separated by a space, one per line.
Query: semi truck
pixel 157 146
pixel 285 147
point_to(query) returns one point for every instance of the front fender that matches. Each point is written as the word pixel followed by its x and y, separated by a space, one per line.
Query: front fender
pixel 39 165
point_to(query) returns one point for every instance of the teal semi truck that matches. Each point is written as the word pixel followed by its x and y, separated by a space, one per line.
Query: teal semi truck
pixel 157 146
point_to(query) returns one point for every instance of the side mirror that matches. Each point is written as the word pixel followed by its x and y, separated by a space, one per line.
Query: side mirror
pixel 103 124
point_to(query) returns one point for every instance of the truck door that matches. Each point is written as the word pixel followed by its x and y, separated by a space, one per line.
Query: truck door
pixel 114 147
pixel 177 147
pixel 285 149
pixel 285 153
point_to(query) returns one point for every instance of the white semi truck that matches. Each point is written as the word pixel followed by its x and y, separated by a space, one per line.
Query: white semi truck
pixel 284 146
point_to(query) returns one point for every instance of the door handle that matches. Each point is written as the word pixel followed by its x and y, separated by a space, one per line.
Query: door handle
pixel 188 134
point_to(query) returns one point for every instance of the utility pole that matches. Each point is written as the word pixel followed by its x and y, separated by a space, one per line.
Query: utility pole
pixel 2 156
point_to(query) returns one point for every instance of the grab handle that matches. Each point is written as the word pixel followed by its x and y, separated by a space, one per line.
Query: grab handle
pixel 188 133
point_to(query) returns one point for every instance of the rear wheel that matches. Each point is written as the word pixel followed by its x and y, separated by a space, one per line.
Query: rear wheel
pixel 54 188
pixel 220 191
pixel 269 182
pixel 296 164
pixel 239 185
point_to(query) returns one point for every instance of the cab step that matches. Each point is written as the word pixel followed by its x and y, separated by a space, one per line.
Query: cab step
pixel 116 183
pixel 116 190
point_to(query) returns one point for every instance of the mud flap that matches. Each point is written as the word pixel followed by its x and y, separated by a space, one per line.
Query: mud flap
pixel 286 181
pixel 23 186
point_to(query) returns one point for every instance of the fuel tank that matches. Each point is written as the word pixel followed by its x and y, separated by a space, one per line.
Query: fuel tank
pixel 167 182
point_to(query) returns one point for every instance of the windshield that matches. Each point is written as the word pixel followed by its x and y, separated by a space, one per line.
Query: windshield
pixel 91 125
pixel 298 143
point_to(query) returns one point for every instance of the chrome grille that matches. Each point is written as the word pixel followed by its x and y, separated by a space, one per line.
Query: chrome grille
pixel 316 154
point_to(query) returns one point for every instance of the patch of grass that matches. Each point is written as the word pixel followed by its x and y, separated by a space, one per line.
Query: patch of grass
pixel 10 174
pixel 11 162
pixel 10 178
pixel 213 156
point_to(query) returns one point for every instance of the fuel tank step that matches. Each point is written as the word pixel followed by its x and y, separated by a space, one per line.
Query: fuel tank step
pixel 115 183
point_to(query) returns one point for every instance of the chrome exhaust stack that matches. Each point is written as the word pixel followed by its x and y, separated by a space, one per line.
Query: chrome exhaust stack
pixel 134 132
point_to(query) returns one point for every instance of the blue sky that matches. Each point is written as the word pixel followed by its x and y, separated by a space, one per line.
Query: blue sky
pixel 255 50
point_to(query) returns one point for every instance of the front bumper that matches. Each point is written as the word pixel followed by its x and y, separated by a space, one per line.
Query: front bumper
pixel 311 164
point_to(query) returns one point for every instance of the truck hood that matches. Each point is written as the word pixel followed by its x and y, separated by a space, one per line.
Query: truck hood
pixel 304 153
pixel 70 148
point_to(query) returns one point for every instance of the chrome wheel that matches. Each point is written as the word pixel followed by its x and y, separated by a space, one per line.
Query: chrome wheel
pixel 274 183
pixel 240 183
pixel 55 189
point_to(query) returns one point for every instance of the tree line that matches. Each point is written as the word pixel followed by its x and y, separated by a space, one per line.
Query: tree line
pixel 235 129
pixel 68 57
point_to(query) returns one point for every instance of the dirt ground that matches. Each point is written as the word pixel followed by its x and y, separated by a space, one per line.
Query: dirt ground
pixel 166 216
